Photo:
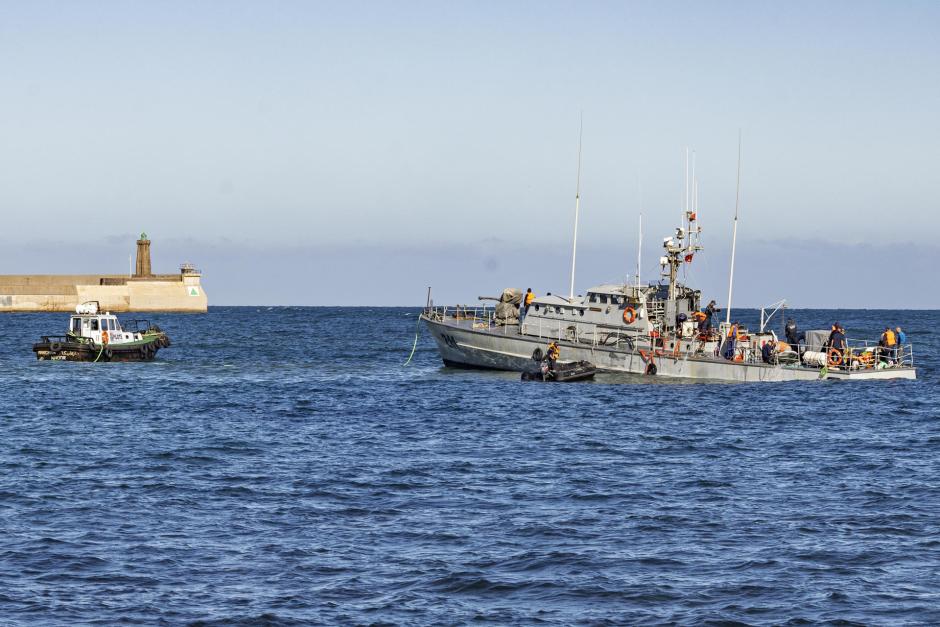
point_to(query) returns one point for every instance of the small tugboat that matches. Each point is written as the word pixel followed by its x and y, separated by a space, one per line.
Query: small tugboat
pixel 95 336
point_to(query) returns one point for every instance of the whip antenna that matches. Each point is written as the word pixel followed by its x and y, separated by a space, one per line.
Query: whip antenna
pixel 577 210
pixel 734 235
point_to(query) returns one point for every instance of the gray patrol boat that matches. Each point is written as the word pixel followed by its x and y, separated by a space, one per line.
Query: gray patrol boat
pixel 651 329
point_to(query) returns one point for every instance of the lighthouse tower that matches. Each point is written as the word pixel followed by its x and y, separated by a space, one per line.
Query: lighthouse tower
pixel 143 257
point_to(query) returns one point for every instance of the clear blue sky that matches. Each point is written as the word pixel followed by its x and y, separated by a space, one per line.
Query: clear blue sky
pixel 400 144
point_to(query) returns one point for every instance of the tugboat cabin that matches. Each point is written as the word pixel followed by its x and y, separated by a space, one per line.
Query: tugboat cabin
pixel 97 327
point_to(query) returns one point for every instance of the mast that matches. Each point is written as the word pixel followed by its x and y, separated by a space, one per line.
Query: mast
pixel 577 210
pixel 691 206
pixel 734 234
pixel 685 196
pixel 639 252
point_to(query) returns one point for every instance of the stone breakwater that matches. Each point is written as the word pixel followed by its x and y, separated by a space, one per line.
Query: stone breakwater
pixel 172 292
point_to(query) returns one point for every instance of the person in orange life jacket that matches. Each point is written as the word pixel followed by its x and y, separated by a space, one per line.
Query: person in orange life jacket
pixel 527 299
pixel 552 355
pixel 730 341
pixel 888 343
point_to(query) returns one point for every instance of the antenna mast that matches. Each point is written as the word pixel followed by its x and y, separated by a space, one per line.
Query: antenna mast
pixel 577 210
pixel 734 235
pixel 639 252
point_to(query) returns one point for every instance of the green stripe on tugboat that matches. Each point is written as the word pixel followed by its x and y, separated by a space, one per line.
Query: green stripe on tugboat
pixel 94 336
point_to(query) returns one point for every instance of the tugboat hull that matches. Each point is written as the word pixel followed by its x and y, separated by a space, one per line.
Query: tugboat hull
pixel 53 350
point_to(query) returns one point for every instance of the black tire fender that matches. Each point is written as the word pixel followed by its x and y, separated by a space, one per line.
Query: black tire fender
pixel 55 347
pixel 108 353
pixel 537 354
pixel 651 369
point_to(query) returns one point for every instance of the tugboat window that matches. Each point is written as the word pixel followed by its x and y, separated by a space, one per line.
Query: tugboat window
pixel 593 298
pixel 77 326
pixel 94 324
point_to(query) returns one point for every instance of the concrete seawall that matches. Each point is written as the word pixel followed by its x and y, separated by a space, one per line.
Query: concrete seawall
pixel 177 292
pixel 142 291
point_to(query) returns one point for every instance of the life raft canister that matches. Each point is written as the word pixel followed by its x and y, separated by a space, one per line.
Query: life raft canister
pixel 629 315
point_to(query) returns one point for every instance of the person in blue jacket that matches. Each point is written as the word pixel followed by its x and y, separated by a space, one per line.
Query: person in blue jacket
pixel 901 339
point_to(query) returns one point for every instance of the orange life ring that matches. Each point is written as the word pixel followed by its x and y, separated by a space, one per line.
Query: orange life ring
pixel 834 357
pixel 104 337
pixel 629 315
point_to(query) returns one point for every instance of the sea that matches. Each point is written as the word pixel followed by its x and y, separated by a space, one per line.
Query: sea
pixel 283 466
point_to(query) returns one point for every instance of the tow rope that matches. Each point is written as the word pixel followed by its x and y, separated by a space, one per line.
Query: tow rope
pixel 101 350
pixel 415 345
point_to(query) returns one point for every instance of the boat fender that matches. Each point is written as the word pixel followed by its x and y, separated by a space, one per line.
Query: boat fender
pixel 537 354
pixel 835 357
pixel 629 315
pixel 651 368
pixel 55 347
pixel 108 353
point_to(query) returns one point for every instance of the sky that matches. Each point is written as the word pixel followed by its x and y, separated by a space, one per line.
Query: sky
pixel 310 153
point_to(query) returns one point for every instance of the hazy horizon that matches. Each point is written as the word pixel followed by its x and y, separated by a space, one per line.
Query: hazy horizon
pixel 337 154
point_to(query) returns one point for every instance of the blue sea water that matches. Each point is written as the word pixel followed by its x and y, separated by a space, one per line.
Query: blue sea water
pixel 279 466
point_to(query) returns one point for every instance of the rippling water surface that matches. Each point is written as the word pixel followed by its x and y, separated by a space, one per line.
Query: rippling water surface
pixel 280 466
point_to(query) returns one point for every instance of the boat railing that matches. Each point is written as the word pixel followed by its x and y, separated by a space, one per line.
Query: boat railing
pixel 868 353
pixel 479 317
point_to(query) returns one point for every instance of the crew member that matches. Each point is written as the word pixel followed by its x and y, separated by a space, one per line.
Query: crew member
pixel 552 355
pixel 888 343
pixel 837 344
pixel 901 338
pixel 699 317
pixel 794 335
pixel 730 341
pixel 527 299
pixel 710 311
pixel 767 352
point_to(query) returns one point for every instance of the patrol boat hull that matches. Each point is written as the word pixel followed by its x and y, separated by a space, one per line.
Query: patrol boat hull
pixel 505 348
